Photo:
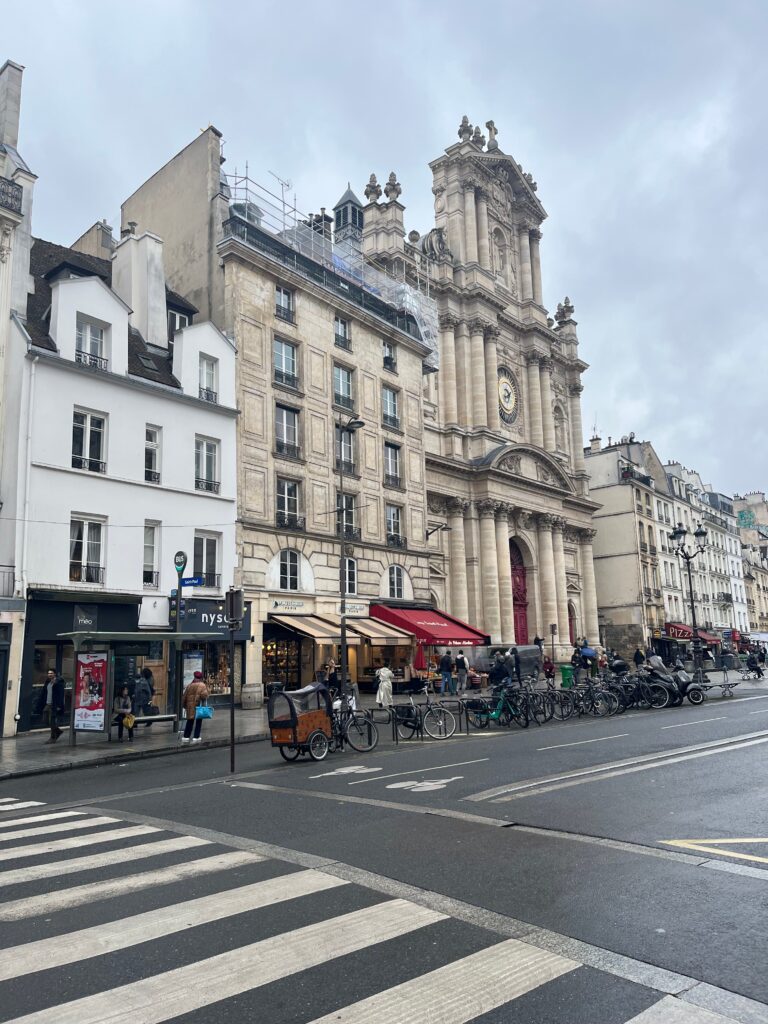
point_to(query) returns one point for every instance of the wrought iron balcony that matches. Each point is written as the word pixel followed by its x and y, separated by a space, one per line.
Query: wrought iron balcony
pixel 393 480
pixel 203 484
pixel 212 580
pixel 652 549
pixel 11 195
pixel 88 359
pixel 291 451
pixel 348 532
pixel 151 579
pixel 88 572
pixel 390 363
pixel 287 315
pixel 344 466
pixel 647 591
pixel 342 341
pixel 207 395
pixel 151 476
pixel 391 421
pixel 288 380
pixel 290 521
pixel 396 540
pixel 643 547
pixel 92 465
pixel 343 401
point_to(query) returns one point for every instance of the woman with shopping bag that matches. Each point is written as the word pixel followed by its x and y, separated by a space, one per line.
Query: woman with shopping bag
pixel 194 703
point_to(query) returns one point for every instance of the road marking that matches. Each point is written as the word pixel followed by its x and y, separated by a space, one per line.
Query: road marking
pixel 72 842
pixel 418 771
pixel 39 817
pixel 738 700
pixel 578 743
pixel 713 846
pixel 698 721
pixel 671 1011
pixel 426 786
pixel 174 993
pixel 462 990
pixel 73 947
pixel 353 769
pixel 67 826
pixel 20 804
pixel 761 711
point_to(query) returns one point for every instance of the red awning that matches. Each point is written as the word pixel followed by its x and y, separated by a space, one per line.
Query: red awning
pixel 678 631
pixel 708 638
pixel 431 626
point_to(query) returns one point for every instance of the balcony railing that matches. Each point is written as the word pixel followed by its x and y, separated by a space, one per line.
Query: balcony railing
pixel 285 314
pixel 652 549
pixel 396 540
pixel 343 401
pixel 656 592
pixel 392 480
pixel 151 579
pixel 88 359
pixel 348 532
pixel 92 465
pixel 344 466
pixel 212 580
pixel 341 341
pixel 289 380
pixel 391 421
pixel 291 451
pixel 390 363
pixel 151 476
pixel 203 484
pixel 80 572
pixel 206 395
pixel 290 521
pixel 647 591
pixel 6 581
pixel 11 194
pixel 643 547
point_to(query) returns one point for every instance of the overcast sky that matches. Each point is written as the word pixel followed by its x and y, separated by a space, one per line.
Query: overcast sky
pixel 644 124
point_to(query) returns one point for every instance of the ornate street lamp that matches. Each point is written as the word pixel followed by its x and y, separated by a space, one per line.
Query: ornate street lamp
pixel 687 554
pixel 350 426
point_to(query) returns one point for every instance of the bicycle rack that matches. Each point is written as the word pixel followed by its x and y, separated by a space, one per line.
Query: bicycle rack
pixel 404 713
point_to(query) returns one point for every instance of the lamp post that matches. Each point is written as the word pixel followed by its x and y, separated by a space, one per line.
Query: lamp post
pixel 350 426
pixel 687 554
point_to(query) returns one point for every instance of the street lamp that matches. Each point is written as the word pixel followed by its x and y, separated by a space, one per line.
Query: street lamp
pixel 350 426
pixel 687 554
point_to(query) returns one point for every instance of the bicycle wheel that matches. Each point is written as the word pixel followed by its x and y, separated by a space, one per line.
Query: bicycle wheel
pixel 289 753
pixel 517 712
pixel 318 745
pixel 478 714
pixel 562 704
pixel 540 708
pixel 659 696
pixel 439 723
pixel 599 704
pixel 407 722
pixel 361 733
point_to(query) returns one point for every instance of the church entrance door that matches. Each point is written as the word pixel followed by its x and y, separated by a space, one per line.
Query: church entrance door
pixel 519 593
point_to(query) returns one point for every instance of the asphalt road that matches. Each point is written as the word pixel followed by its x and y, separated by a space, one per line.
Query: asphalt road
pixel 597 871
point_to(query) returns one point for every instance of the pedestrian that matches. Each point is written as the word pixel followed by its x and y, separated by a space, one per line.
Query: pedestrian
pixel 549 669
pixel 195 694
pixel 446 673
pixel 498 671
pixel 761 657
pixel 512 664
pixel 576 665
pixel 385 676
pixel 539 642
pixel 142 694
pixel 50 703
pixel 462 671
pixel 639 658
pixel 332 676
pixel 754 665
pixel 123 711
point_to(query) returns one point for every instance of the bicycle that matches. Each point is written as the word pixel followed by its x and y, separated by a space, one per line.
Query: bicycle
pixel 437 722
pixel 352 728
pixel 508 708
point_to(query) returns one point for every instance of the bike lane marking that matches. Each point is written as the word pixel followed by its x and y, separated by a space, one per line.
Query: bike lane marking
pixel 578 743
pixel 418 771
pixel 714 846
pixel 699 721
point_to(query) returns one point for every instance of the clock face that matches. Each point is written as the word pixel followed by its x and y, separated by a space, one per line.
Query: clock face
pixel 508 395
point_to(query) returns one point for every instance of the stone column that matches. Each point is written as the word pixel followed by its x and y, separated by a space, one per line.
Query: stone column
pixel 561 582
pixel 483 238
pixel 535 428
pixel 535 238
pixel 458 559
pixel 577 436
pixel 506 604
pixel 547 412
pixel 526 278
pixel 472 545
pixel 447 382
pixel 463 373
pixel 546 571
pixel 489 571
pixel 470 222
pixel 476 383
pixel 492 378
pixel 589 589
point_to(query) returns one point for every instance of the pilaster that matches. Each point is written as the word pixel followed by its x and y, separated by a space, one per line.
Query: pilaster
pixel 491 378
pixel 536 428
pixel 470 221
pixel 534 237
pixel 447 373
pixel 524 250
pixel 506 600
pixel 483 238
pixel 490 571
pixel 476 383
pixel 547 412
pixel 458 559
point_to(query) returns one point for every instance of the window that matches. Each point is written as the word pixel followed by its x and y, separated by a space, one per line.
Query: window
pixel 345 459
pixel 391 465
pixel 88 441
pixel 206 464
pixel 284 304
pixel 389 403
pixel 89 345
pixel 152 454
pixel 288 504
pixel 176 322
pixel 287 432
pixel 395 573
pixel 342 387
pixel 350 576
pixel 151 561
pixel 289 570
pixel 341 333
pixel 285 363
pixel 345 516
pixel 393 516
pixel 389 352
pixel 205 562
pixel 85 551
pixel 208 375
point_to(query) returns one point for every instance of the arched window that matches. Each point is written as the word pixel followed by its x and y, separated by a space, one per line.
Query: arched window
pixel 289 570
pixel 396 582
pixel 350 580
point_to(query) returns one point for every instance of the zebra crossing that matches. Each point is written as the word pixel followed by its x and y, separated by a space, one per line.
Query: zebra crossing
pixel 105 920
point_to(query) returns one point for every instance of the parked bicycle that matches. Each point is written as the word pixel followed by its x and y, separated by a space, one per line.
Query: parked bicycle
pixel 437 721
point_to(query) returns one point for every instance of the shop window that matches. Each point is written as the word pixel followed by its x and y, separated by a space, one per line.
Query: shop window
pixel 396 587
pixel 289 570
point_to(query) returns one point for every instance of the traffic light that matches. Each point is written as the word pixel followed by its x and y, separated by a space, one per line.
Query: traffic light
pixel 235 606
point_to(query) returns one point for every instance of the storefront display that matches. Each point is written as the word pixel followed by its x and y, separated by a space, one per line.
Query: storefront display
pixel 212 658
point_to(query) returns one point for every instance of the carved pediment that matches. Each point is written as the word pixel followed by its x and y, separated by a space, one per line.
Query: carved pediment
pixel 533 464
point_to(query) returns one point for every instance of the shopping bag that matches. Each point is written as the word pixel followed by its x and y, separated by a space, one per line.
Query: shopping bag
pixel 203 711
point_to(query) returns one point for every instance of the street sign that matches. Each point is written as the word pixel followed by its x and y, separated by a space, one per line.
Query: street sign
pixel 727 634
pixel 180 561
pixel 193 581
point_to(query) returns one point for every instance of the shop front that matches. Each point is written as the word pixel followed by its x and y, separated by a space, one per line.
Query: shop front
pixel 211 655
pixel 297 647
pixel 380 644
pixel 432 630
pixel 676 641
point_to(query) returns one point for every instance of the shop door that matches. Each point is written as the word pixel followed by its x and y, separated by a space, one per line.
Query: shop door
pixel 3 682
pixel 519 593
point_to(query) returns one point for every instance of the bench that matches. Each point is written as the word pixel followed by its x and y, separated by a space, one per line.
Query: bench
pixel 144 718
pixel 726 685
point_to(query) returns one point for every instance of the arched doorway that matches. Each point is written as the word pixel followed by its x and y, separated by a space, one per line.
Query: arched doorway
pixel 519 593
pixel 571 623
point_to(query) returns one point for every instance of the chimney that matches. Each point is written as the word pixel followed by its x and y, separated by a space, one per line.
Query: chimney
pixel 138 277
pixel 594 444
pixel 10 102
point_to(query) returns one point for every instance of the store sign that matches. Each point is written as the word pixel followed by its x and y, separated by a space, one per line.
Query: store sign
pixel 211 616
pixel 355 609
pixel 90 692
pixel 86 618
pixel 677 631
pixel 295 605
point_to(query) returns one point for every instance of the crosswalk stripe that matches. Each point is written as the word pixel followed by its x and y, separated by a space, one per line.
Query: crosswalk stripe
pixel 20 805
pixel 462 990
pixel 672 1011
pixel 71 842
pixel 67 826
pixel 156 924
pixel 8 799
pixel 99 860
pixel 40 817
pixel 185 989
pixel 79 895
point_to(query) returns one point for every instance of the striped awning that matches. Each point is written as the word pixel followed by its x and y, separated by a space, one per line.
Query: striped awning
pixel 318 629
pixel 375 632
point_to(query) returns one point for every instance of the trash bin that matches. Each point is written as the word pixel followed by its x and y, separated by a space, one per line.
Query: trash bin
pixel 566 674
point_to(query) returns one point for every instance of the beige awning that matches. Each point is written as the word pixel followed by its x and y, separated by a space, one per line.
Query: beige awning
pixel 318 629
pixel 379 633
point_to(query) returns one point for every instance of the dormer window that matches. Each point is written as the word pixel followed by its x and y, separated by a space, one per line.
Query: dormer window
pixel 176 322
pixel 208 386
pixel 89 345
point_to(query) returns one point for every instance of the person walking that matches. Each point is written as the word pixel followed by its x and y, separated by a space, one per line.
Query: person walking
pixel 549 669
pixel 462 672
pixel 497 673
pixel 142 694
pixel 385 676
pixel 50 703
pixel 576 665
pixel 512 665
pixel 639 658
pixel 123 711
pixel 194 695
pixel 446 673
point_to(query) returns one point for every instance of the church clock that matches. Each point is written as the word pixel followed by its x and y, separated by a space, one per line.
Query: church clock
pixel 509 395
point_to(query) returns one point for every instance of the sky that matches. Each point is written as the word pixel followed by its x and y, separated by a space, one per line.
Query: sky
pixel 644 124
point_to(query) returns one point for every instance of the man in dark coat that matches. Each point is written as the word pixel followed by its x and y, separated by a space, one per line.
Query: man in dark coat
pixel 638 657
pixel 512 664
pixel 50 703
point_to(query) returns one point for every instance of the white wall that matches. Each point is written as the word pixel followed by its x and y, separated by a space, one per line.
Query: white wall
pixel 188 344
pixel 91 298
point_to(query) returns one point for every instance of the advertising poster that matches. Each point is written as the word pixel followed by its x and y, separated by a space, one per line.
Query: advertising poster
pixel 193 662
pixel 90 692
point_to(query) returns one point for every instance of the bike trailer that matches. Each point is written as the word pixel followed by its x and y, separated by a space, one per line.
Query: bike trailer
pixel 293 716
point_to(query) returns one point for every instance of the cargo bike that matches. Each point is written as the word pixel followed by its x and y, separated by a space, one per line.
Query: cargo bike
pixel 309 721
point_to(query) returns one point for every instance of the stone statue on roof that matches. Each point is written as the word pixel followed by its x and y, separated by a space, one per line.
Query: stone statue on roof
pixel 373 190
pixel 392 189
pixel 492 133
pixel 465 129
